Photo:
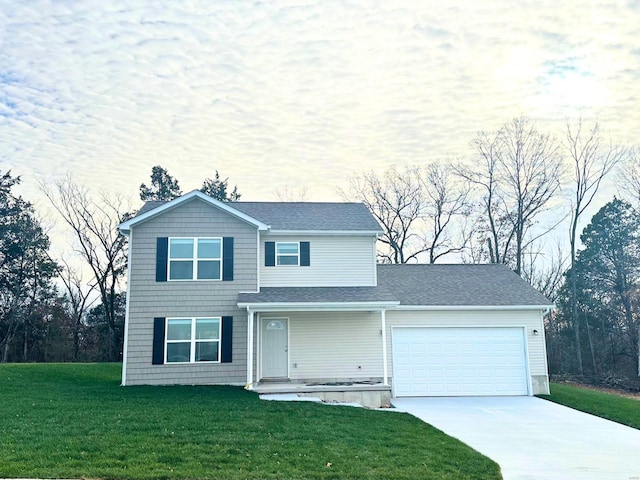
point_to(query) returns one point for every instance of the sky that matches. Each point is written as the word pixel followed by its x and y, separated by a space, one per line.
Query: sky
pixel 296 94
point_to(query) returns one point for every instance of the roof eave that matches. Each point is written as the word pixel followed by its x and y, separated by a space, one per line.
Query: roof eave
pixel 475 307
pixel 367 233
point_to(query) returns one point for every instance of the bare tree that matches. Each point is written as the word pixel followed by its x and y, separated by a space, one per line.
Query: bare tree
pixel 78 293
pixel 395 200
pixel 290 194
pixel 592 161
pixel 485 177
pixel 94 224
pixel 417 209
pixel 519 174
pixel 446 198
pixel 630 177
pixel 546 275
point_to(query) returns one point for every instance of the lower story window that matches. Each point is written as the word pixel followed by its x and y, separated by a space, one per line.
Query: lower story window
pixel 191 340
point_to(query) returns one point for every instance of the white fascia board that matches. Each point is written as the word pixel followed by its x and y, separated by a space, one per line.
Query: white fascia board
pixel 225 207
pixel 367 233
pixel 315 306
pixel 473 307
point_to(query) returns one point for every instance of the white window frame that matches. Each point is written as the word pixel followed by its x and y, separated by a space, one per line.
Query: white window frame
pixel 194 259
pixel 192 341
pixel 297 255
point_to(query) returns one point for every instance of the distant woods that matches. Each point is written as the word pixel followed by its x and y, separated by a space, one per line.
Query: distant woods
pixel 505 203
pixel 519 190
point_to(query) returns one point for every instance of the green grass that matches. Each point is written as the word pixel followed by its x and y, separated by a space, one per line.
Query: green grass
pixel 612 407
pixel 74 420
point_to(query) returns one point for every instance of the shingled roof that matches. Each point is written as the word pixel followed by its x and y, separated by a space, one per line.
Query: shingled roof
pixel 302 216
pixel 318 295
pixel 458 285
pixel 297 216
pixel 421 285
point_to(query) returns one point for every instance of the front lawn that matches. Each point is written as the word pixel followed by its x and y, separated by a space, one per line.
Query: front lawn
pixel 612 407
pixel 74 421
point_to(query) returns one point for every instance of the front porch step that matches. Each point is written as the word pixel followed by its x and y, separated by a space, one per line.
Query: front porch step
pixel 367 394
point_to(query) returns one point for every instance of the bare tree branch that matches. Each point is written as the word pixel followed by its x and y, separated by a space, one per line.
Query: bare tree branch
pixel 395 200
pixel 629 177
pixel 94 224
pixel 447 197
pixel 518 174
pixel 290 194
pixel 592 162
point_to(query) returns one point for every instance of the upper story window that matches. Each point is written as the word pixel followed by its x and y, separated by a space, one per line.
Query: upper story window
pixel 287 253
pixel 195 258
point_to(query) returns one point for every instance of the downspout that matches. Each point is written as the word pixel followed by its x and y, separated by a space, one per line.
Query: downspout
pixel 249 385
pixel 385 368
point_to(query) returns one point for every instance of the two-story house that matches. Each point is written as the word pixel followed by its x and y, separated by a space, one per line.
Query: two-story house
pixel 288 297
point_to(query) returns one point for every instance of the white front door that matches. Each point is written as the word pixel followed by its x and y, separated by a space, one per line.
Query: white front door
pixel 275 347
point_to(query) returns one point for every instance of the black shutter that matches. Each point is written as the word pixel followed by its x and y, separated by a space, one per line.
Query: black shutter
pixel 227 339
pixel 162 256
pixel 227 259
pixel 305 259
pixel 158 341
pixel 269 254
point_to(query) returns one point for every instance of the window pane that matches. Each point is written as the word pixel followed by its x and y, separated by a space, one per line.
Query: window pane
pixel 287 248
pixel 181 248
pixel 209 270
pixel 207 329
pixel 180 270
pixel 288 260
pixel 179 329
pixel 206 351
pixel 178 352
pixel 209 248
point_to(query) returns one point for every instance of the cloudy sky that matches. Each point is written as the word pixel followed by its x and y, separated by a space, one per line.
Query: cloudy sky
pixel 297 93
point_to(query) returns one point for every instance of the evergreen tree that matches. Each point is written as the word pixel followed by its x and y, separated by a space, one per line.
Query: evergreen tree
pixel 218 189
pixel 26 270
pixel 607 275
pixel 163 186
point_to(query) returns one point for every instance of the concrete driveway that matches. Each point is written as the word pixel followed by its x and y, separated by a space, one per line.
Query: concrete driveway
pixel 531 438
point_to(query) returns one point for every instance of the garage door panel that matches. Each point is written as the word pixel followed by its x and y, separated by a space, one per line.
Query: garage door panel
pixel 459 361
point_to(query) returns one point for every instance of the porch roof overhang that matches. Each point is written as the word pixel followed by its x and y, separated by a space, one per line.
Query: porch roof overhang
pixel 310 306
pixel 275 299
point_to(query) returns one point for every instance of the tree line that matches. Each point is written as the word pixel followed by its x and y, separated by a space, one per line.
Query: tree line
pixel 71 308
pixel 503 204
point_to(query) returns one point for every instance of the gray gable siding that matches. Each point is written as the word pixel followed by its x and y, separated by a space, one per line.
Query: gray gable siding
pixel 149 299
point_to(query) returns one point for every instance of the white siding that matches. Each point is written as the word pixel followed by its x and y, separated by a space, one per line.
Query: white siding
pixel 335 261
pixel 530 319
pixel 348 345
pixel 334 345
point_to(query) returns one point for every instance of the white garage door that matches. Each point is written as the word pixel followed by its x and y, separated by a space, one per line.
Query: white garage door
pixel 459 361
